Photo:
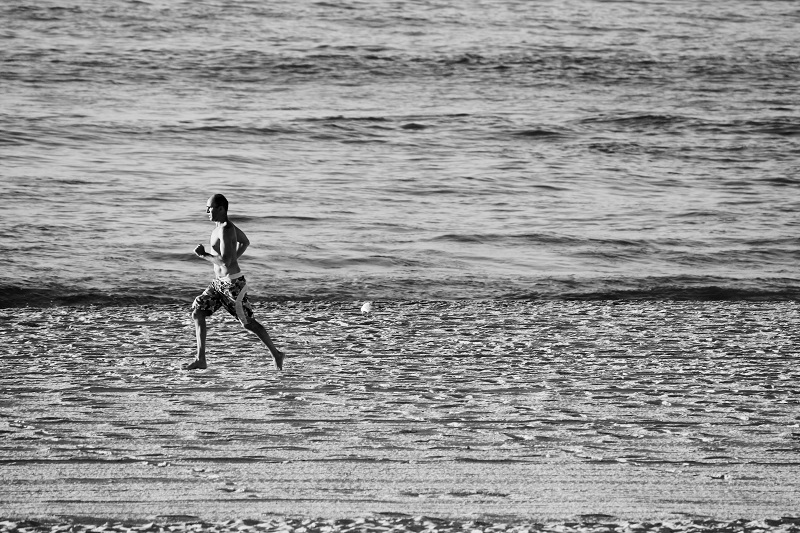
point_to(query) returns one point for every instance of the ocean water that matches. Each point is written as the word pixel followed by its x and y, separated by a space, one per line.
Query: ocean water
pixel 408 150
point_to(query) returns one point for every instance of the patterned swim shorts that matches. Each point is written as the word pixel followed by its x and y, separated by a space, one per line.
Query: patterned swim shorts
pixel 228 293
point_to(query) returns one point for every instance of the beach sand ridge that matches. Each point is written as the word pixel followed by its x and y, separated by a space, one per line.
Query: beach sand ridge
pixel 506 411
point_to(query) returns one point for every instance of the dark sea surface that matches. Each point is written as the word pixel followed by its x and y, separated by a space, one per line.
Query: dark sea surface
pixel 422 149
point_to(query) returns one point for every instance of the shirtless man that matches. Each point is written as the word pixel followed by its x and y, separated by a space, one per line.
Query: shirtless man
pixel 229 289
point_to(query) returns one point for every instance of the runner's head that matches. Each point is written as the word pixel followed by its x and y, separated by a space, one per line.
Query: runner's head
pixel 217 208
pixel 219 200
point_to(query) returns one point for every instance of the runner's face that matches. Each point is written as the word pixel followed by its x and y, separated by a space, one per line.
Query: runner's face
pixel 213 211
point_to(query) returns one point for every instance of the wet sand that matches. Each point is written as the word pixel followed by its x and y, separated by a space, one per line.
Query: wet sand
pixel 506 412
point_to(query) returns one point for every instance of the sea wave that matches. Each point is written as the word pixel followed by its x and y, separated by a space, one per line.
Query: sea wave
pixel 234 65
pixel 678 288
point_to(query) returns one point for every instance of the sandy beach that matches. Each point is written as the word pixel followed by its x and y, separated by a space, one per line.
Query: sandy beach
pixel 475 414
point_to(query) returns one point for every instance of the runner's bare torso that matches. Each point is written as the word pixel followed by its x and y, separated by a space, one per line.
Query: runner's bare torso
pixel 229 243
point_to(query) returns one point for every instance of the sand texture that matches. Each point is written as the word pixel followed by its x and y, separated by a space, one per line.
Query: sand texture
pixel 503 411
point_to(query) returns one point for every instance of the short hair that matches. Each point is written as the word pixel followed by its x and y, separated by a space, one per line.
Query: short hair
pixel 220 200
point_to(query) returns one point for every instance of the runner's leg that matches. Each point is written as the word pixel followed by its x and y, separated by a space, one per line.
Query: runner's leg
pixel 200 329
pixel 261 332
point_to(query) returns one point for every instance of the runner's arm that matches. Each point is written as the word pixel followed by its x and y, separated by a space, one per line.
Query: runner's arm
pixel 243 241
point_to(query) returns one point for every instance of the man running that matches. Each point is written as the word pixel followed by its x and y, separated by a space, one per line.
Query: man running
pixel 229 289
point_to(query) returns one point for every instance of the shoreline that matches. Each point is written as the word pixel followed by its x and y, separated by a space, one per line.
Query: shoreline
pixel 324 291
pixel 503 411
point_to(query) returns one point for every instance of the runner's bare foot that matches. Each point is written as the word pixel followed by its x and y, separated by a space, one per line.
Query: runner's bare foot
pixel 278 357
pixel 195 365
